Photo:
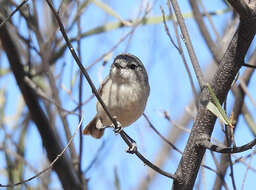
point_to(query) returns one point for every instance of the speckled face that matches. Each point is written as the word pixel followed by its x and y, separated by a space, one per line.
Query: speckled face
pixel 128 68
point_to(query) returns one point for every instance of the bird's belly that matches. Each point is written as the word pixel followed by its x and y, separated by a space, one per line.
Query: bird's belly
pixel 125 102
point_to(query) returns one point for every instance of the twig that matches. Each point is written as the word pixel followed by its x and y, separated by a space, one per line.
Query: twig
pixel 80 97
pixel 124 136
pixel 207 144
pixel 246 173
pixel 17 8
pixel 96 158
pixel 204 31
pixel 249 65
pixel 51 164
pixel 179 48
pixel 161 136
pixel 188 44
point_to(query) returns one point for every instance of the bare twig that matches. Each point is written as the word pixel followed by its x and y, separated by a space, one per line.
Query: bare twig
pixel 17 8
pixel 179 48
pixel 50 139
pixel 205 33
pixel 221 84
pixel 51 164
pixel 188 44
pixel 161 136
pixel 229 150
pixel 80 97
pixel 124 136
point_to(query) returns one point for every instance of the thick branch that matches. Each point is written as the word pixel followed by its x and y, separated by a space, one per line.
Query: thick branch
pixel 50 141
pixel 204 124
pixel 237 109
pixel 241 7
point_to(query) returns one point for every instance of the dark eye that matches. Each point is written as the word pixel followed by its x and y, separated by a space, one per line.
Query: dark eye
pixel 132 66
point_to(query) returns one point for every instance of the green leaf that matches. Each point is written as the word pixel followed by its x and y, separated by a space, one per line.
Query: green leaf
pixel 216 108
pixel 211 107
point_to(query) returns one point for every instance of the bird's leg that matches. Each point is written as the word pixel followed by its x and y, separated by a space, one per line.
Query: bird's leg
pixel 118 127
pixel 133 146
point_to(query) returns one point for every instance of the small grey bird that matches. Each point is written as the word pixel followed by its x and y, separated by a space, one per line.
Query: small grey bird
pixel 124 91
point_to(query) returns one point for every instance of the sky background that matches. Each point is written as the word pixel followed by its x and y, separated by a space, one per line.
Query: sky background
pixel 170 91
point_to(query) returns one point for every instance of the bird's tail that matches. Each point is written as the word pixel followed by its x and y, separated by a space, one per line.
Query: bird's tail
pixel 91 129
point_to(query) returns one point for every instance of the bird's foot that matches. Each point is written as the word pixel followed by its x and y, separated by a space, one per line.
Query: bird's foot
pixel 132 149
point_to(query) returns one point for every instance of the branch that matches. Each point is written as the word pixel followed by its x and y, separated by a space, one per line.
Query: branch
pixel 221 83
pixel 51 164
pixel 207 144
pixel 241 7
pixel 124 136
pixel 161 136
pixel 203 29
pixel 50 140
pixel 188 43
pixel 13 12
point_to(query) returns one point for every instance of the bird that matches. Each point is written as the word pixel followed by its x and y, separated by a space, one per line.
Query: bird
pixel 125 93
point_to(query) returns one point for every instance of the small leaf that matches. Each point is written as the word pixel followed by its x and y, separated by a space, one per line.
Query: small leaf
pixel 212 108
pixel 218 106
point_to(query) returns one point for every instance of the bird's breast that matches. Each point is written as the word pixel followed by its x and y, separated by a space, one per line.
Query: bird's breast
pixel 125 101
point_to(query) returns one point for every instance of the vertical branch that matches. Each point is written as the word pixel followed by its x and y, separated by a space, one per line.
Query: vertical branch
pixel 188 44
pixel 80 97
pixel 204 123
pixel 205 33
pixel 50 141
pixel 237 110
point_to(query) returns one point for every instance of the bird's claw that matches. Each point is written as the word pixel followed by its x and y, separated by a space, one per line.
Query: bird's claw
pixel 132 149
pixel 117 128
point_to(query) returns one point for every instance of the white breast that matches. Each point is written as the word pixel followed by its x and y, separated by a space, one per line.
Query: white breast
pixel 125 101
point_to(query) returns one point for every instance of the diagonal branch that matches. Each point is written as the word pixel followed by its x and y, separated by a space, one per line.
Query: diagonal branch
pixel 241 7
pixel 205 33
pixel 237 110
pixel 50 140
pixel 191 52
pixel 128 140
pixel 204 123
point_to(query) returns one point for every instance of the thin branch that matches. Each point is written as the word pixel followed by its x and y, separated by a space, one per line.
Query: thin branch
pixel 246 173
pixel 124 136
pixel 179 48
pixel 188 44
pixel 80 97
pixel 229 150
pixel 229 133
pixel 51 164
pixel 204 31
pixel 221 84
pixel 161 136
pixel 238 108
pixel 249 65
pixel 50 139
pixel 209 17
pixel 17 8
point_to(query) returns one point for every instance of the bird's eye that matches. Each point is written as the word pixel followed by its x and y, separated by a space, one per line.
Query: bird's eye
pixel 132 66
